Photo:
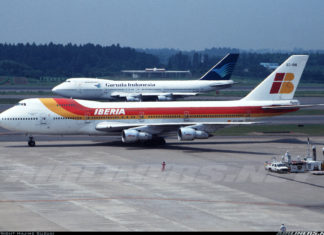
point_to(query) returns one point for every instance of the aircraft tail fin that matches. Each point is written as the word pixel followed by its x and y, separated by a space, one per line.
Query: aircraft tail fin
pixel 223 69
pixel 281 84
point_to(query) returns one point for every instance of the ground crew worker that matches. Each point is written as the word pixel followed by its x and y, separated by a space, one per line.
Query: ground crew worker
pixel 283 228
pixel 163 166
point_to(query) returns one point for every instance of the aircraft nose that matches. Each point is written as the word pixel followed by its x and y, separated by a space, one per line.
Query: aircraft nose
pixel 57 90
pixel 2 119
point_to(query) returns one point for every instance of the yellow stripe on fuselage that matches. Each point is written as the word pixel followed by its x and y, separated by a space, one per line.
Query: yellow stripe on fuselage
pixel 52 105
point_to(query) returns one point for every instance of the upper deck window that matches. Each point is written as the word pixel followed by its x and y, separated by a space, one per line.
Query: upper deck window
pixel 21 104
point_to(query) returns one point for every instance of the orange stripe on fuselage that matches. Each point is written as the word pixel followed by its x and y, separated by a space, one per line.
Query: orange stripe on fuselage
pixel 62 108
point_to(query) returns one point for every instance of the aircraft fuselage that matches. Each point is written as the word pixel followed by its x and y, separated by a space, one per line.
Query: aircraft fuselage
pixel 71 117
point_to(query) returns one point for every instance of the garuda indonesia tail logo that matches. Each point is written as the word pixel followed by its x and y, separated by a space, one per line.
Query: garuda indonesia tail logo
pixel 282 83
pixel 225 70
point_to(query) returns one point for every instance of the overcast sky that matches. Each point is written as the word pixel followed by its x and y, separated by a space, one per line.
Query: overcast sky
pixel 179 24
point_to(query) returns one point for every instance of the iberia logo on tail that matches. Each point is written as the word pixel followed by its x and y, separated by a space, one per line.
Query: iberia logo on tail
pixel 282 83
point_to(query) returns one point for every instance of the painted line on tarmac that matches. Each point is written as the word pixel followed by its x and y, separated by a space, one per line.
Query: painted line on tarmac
pixel 165 199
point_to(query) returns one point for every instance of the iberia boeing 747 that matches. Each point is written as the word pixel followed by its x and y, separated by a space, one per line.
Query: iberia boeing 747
pixel 152 121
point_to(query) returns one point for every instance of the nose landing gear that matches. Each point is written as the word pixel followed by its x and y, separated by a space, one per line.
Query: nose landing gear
pixel 31 142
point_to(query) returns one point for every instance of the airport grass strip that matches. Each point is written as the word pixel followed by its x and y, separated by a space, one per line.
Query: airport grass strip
pixel 244 93
pixel 307 129
pixel 308 112
pixel 26 93
pixel 9 100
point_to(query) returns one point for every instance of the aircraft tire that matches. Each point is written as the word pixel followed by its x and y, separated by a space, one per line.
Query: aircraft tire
pixel 158 141
pixel 31 143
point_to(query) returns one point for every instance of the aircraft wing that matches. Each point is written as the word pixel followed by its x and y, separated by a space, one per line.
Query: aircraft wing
pixel 171 93
pixel 159 127
pixel 184 94
pixel 123 94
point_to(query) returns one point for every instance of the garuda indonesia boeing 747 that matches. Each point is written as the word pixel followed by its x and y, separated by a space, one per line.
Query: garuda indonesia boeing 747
pixel 218 77
pixel 152 121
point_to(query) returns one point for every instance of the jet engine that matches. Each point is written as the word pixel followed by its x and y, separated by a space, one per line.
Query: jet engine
pixel 164 97
pixel 132 136
pixel 187 133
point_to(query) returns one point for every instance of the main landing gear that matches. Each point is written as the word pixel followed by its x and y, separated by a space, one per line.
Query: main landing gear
pixel 31 141
pixel 156 141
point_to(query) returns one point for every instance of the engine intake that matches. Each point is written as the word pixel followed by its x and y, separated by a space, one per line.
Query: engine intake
pixel 187 133
pixel 132 136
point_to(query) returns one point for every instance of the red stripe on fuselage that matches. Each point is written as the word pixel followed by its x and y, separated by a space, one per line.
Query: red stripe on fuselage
pixel 72 106
pixel 78 109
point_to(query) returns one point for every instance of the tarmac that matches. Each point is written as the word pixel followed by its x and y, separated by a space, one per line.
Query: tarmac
pixel 100 184
pixel 82 183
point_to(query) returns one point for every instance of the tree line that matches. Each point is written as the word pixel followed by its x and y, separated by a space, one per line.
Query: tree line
pixel 248 64
pixel 89 60
pixel 70 60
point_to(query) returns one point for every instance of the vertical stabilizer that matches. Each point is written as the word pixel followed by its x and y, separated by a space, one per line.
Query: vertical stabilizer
pixel 223 69
pixel 281 84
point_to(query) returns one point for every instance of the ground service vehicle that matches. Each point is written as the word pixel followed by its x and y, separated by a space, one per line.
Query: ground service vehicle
pixel 276 167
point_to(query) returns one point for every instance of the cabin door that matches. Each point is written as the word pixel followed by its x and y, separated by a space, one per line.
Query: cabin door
pixel 248 115
pixel 186 116
pixel 43 120
pixel 141 117
pixel 87 117
pixel 79 88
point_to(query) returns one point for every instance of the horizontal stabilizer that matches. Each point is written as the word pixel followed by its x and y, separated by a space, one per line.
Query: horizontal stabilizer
pixel 281 107
pixel 223 85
